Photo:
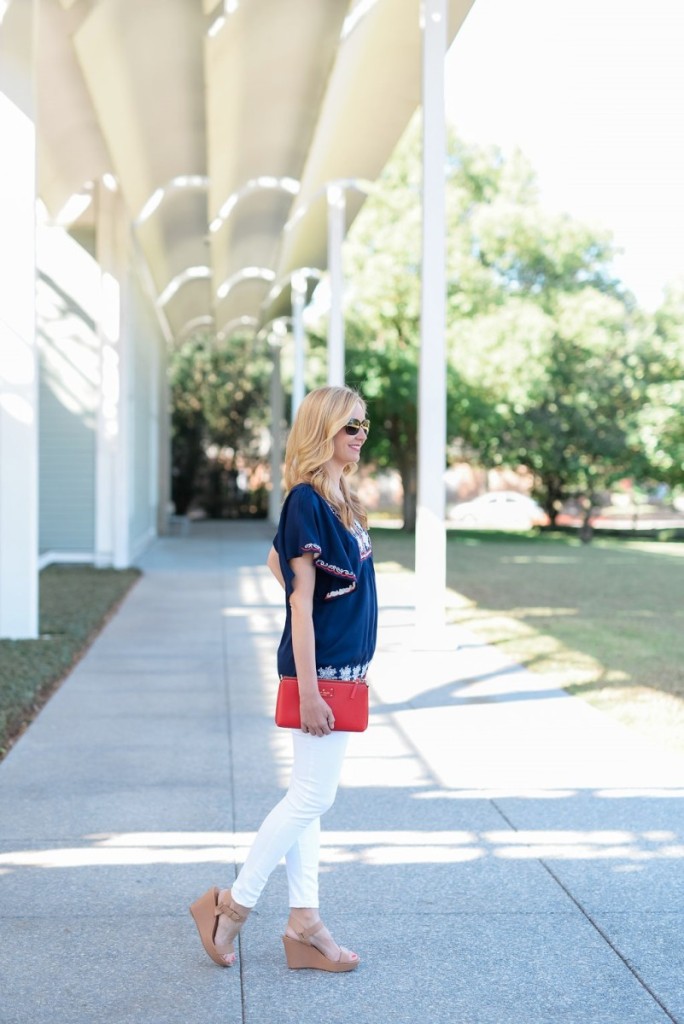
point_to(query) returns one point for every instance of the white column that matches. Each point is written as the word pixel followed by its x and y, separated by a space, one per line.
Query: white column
pixel 109 329
pixel 336 224
pixel 299 335
pixel 430 523
pixel 277 412
pixel 153 438
pixel 112 518
pixel 164 444
pixel 125 453
pixel 18 349
pixel 108 413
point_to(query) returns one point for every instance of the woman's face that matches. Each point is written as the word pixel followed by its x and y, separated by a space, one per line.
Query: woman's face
pixel 348 449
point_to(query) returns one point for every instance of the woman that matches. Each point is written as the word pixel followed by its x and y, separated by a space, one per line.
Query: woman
pixel 322 558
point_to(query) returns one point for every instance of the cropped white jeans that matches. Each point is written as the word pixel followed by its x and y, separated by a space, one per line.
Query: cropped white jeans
pixel 292 829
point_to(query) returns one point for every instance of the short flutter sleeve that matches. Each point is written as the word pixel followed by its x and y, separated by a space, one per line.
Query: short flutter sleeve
pixel 308 526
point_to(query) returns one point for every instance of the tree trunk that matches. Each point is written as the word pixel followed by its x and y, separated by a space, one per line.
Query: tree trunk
pixel 184 470
pixel 586 530
pixel 553 497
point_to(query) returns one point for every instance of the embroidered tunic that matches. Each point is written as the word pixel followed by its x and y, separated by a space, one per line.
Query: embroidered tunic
pixel 345 605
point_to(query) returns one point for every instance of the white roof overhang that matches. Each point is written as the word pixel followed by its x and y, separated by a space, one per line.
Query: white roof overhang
pixel 224 123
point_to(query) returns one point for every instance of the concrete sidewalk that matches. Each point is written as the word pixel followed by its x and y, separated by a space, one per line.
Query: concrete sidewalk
pixel 499 853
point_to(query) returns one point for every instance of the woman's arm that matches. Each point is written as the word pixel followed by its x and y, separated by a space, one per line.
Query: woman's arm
pixel 317 717
pixel 273 562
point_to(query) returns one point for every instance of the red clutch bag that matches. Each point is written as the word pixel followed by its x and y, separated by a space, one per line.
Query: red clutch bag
pixel 347 698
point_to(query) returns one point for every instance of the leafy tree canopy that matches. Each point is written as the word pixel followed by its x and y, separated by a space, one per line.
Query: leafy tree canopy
pixel 218 398
pixel 662 419
pixel 546 359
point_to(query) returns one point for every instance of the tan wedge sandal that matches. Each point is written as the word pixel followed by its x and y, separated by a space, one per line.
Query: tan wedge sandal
pixel 302 952
pixel 205 912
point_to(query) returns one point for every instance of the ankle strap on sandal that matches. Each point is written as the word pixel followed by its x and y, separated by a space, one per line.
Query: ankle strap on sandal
pixel 306 933
pixel 231 910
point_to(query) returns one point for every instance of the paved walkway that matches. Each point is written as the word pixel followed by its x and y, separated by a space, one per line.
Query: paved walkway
pixel 499 853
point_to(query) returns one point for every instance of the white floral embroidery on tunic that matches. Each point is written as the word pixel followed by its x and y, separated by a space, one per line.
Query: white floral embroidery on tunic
pixel 362 539
pixel 338 593
pixel 348 672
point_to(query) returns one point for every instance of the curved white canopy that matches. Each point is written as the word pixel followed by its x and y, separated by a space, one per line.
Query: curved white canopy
pixel 223 121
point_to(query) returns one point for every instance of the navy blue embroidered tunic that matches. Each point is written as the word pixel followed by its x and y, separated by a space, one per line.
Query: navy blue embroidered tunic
pixel 345 606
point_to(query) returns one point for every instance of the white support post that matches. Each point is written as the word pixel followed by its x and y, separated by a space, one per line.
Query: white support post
pixel 18 345
pixel 108 411
pixel 277 413
pixel 430 524
pixel 112 520
pixel 299 335
pixel 336 225
pixel 125 454
pixel 164 445
pixel 108 406
pixel 153 438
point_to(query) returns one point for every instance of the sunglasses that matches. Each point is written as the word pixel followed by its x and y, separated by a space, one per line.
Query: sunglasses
pixel 354 426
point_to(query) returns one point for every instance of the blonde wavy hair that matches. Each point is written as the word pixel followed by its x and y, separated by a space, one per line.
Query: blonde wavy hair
pixel 310 445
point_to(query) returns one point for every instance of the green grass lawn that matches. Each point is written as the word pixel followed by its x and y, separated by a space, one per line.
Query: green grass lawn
pixel 605 620
pixel 75 601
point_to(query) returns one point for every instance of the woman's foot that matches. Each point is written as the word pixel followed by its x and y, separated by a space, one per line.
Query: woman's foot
pixel 229 922
pixel 218 919
pixel 306 926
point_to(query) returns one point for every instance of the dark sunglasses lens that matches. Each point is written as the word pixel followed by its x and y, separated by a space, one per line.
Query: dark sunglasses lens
pixel 354 426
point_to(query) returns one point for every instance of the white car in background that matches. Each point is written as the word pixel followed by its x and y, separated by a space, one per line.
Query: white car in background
pixel 499 510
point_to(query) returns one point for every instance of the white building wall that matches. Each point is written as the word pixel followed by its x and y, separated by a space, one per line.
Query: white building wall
pixel 68 307
pixel 100 382
pixel 18 359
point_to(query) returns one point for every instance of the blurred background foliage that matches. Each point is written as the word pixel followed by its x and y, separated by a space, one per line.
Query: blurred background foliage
pixel 552 366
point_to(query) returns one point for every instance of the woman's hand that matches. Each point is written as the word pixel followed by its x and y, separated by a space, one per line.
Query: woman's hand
pixel 316 715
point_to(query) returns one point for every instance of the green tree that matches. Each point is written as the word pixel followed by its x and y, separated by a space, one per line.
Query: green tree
pixel 219 400
pixel 187 422
pixel 575 424
pixel 383 309
pixel 661 420
pixel 560 353
pixel 385 370
pixel 544 360
pixel 567 383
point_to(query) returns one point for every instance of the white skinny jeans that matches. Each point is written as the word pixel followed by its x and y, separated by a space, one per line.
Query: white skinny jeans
pixel 292 829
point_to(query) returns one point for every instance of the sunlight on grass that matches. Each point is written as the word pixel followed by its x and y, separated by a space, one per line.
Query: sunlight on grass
pixel 650 547
pixel 601 621
pixel 541 559
pixel 656 714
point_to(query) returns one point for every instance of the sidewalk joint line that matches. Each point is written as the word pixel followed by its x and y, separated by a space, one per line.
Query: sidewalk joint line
pixel 596 926
pixel 606 938
pixel 231 772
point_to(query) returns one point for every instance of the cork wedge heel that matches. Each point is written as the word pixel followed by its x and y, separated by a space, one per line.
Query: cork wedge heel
pixel 303 953
pixel 205 913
